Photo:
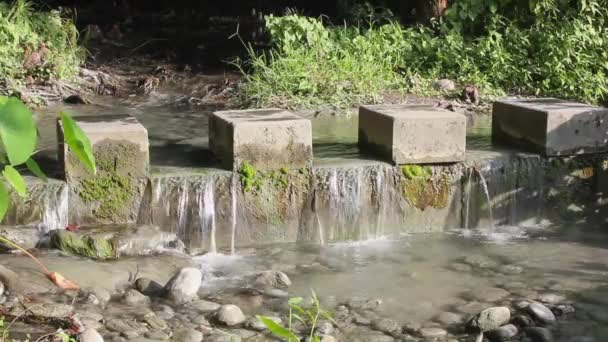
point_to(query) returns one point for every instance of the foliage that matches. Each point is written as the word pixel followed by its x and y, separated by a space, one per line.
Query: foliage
pixel 37 45
pixel 309 316
pixel 249 177
pixel 540 47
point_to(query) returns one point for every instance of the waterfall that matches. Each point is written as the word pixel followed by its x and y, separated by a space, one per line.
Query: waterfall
pixel 233 216
pixel 468 189
pixel 207 214
pixel 486 191
pixel 54 208
pixel 182 210
pixel 382 198
pixel 345 203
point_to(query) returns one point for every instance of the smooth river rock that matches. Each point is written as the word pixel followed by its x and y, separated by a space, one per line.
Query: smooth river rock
pixel 541 313
pixel 183 286
pixel 538 334
pixel 188 335
pixel 230 315
pixel 90 335
pixel 490 319
pixel 273 279
pixel 149 287
pixel 504 333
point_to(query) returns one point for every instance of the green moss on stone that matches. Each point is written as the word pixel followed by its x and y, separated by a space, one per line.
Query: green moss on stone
pixel 112 192
pixel 90 246
pixel 422 190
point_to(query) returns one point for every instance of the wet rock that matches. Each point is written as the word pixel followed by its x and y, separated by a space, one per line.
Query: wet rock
pixel 155 322
pixel 449 318
pixel 444 84
pixel 490 319
pixel 183 286
pixel 412 327
pixel 200 320
pixel 387 326
pixel 230 315
pixel 188 335
pixel 126 326
pixel 471 308
pixel 203 306
pixel 220 336
pixel 364 303
pixel 149 287
pixel 538 334
pixel 164 312
pixel 76 99
pixel 157 335
pixel 563 309
pixel 90 335
pixel 9 278
pixel 521 305
pixel 51 310
pixel 504 333
pixel 540 313
pixel 461 267
pixel 256 324
pixel 134 297
pixel 145 240
pixel 325 328
pixel 551 298
pixel 432 332
pixel 275 293
pixel 26 237
pixel 276 279
pixel 522 321
pixel 488 294
pixel 480 261
pixel 510 269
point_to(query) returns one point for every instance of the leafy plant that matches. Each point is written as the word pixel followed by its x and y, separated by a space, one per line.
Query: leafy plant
pixel 18 135
pixel 249 177
pixel 309 316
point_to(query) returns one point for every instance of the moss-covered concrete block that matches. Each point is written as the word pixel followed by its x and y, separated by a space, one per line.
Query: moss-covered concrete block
pixel 412 134
pixel 265 138
pixel 113 195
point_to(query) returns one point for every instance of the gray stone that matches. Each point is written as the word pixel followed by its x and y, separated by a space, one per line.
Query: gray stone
pixel 157 335
pixel 273 279
pixel 50 310
pixel 9 278
pixel 203 306
pixel 184 285
pixel 325 328
pixel 149 287
pixel 564 309
pixel 121 150
pixel 126 326
pixel 523 321
pixel 90 335
pixel 264 138
pixel 541 313
pixel 387 326
pixel 188 335
pixel 449 318
pixel 490 319
pixel 134 297
pixel 407 134
pixel 230 315
pixel 444 84
pixel 155 322
pixel 504 333
pixel 538 334
pixel 551 298
pixel 550 126
pixel 471 308
pixel 26 237
pixel 487 294
pixel 199 320
pixel 432 332
pixel 358 303
pixel 164 312
pixel 220 336
pixel 146 240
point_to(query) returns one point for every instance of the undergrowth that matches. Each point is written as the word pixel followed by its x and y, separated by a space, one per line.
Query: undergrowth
pixel 548 48
pixel 36 45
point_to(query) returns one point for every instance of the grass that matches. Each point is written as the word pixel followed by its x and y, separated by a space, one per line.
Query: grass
pixel 36 45
pixel 313 64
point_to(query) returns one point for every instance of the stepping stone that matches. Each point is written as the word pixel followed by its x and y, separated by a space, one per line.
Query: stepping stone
pixel 412 134
pixel 550 126
pixel 267 139
pixel 121 149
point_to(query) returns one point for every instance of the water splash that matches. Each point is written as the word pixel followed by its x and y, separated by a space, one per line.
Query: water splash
pixel 467 197
pixel 54 209
pixel 182 210
pixel 382 194
pixel 345 204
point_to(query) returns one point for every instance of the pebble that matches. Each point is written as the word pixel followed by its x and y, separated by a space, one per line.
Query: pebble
pixel 325 328
pixel 504 333
pixel 203 306
pixel 387 326
pixel 564 309
pixel 90 335
pixel 134 297
pixel 157 335
pixel 200 320
pixel 551 298
pixel 164 312
pixel 188 335
pixel 230 315
pixel 523 321
pixel 184 285
pixel 540 313
pixel 273 279
pixel 488 294
pixel 490 319
pixel 432 332
pixel 149 287
pixel 471 308
pixel 154 322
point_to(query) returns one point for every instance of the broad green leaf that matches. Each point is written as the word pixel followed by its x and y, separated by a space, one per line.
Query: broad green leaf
pixel 276 329
pixel 35 168
pixel 13 177
pixel 78 142
pixel 17 130
pixel 5 200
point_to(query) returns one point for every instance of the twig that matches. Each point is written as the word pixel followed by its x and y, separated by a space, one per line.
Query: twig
pixel 146 43
pixel 12 244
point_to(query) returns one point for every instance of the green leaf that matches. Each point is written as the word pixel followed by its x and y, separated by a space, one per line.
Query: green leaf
pixel 4 201
pixel 276 329
pixel 295 300
pixel 78 142
pixel 35 168
pixel 14 178
pixel 17 130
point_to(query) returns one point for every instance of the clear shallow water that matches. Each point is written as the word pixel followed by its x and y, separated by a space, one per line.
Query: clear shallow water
pixel 420 276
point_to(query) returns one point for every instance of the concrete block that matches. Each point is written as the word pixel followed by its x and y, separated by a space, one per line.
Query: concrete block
pixel 550 126
pixel 120 146
pixel 265 138
pixel 412 134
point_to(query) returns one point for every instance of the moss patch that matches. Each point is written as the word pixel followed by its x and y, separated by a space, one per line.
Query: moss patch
pixel 90 246
pixel 112 192
pixel 422 190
